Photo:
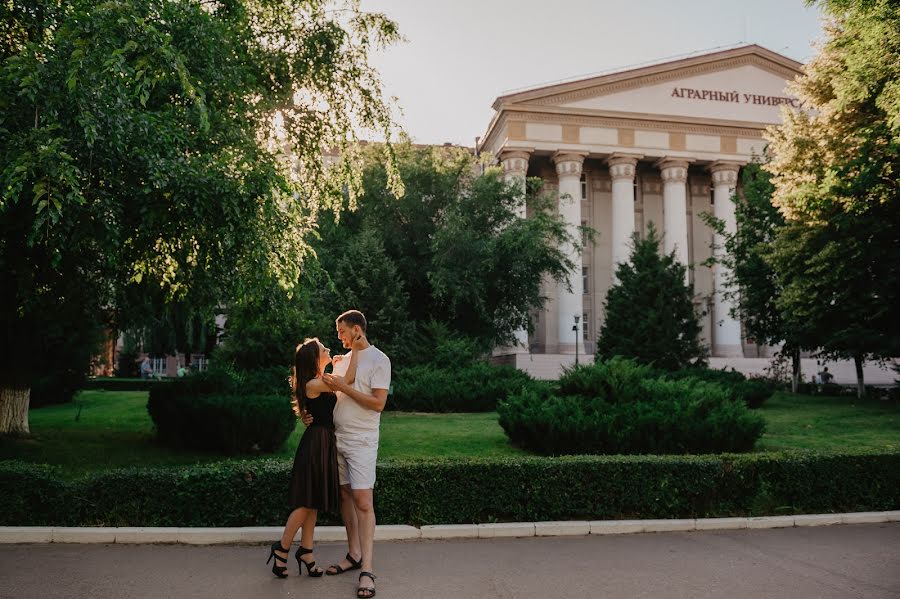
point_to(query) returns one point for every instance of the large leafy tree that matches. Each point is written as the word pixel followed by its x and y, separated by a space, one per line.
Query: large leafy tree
pixel 649 312
pixel 835 168
pixel 161 152
pixel 451 255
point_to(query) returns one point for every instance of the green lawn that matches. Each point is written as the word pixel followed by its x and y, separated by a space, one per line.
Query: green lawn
pixel 815 422
pixel 114 430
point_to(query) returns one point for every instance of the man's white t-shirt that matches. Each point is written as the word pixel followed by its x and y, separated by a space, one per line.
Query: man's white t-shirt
pixel 373 371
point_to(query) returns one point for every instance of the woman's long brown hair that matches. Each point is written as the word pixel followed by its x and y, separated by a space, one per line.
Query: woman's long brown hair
pixel 306 368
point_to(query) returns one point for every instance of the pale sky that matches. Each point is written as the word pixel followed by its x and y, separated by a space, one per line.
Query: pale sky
pixel 461 54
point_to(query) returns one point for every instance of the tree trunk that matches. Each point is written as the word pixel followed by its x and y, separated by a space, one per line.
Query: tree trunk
pixel 860 383
pixel 14 410
pixel 795 370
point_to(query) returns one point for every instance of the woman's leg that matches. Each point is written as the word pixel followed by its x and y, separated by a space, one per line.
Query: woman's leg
pixel 307 535
pixel 294 522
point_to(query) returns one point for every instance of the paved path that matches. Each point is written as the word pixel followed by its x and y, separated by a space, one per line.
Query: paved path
pixel 840 562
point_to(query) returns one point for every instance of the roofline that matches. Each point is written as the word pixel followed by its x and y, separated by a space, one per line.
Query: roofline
pixel 630 73
pixel 507 101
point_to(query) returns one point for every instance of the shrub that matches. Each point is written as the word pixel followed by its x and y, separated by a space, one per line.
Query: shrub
pixel 475 387
pixel 224 410
pixel 228 423
pixel 610 407
pixel 753 392
pixel 524 489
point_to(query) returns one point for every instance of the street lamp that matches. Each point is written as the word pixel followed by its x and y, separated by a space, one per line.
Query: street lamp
pixel 575 330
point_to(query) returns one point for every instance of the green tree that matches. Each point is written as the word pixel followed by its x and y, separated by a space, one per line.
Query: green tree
pixel 451 252
pixel 834 168
pixel 649 312
pixel 161 152
pixel 753 284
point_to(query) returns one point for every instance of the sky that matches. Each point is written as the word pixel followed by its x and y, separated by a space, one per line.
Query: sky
pixel 461 54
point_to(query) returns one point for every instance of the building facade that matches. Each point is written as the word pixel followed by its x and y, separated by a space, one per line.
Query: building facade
pixel 659 144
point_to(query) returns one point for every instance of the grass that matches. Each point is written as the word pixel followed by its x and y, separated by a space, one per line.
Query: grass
pixel 114 430
pixel 814 422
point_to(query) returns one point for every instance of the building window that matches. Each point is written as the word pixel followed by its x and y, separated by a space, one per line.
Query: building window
pixel 584 233
pixel 158 365
pixel 583 187
pixel 585 328
pixel 584 279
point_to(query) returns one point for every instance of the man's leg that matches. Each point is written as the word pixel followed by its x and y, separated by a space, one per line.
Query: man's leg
pixel 351 522
pixel 365 512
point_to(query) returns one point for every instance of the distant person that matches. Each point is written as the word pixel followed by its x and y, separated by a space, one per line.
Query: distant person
pixel 146 368
pixel 826 377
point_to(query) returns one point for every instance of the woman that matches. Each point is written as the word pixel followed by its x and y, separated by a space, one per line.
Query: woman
pixel 314 477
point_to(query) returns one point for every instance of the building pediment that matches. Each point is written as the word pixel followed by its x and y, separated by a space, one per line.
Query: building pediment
pixel 745 85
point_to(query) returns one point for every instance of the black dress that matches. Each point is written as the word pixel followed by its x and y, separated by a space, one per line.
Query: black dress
pixel 314 478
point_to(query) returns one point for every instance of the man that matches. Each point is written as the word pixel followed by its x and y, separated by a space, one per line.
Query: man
pixel 357 416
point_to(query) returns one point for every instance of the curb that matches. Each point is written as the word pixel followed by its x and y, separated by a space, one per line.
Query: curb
pixel 265 534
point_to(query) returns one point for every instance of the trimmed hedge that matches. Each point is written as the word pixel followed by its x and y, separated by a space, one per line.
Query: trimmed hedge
pixel 227 423
pixel 474 387
pixel 224 410
pixel 467 491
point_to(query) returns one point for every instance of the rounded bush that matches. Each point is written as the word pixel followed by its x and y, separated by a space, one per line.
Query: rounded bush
pixel 610 408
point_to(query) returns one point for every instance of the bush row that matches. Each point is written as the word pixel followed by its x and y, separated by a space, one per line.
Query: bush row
pixel 466 491
pixel 474 387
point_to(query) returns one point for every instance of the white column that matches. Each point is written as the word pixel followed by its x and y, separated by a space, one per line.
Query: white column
pixel 621 170
pixel 571 302
pixel 515 166
pixel 726 329
pixel 675 225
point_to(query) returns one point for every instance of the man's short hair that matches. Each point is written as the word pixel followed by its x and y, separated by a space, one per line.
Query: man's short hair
pixel 353 317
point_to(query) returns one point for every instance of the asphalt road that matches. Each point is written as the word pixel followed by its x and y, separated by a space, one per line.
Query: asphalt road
pixel 840 562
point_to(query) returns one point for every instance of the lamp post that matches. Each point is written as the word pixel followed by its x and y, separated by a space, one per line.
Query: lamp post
pixel 575 330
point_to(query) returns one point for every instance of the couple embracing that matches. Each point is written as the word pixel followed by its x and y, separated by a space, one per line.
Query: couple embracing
pixel 335 462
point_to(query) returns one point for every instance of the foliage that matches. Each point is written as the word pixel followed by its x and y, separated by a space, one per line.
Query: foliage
pixel 834 167
pixel 224 410
pixel 475 387
pixel 224 423
pixel 614 408
pixel 753 392
pixel 452 251
pixel 162 157
pixel 650 315
pixel 521 489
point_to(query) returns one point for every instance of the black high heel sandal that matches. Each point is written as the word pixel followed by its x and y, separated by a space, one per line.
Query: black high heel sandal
pixel 279 571
pixel 366 592
pixel 309 565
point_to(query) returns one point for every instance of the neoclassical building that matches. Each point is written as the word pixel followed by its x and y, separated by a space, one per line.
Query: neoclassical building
pixel 662 144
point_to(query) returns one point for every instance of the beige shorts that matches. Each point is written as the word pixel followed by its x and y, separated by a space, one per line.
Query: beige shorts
pixel 356 462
